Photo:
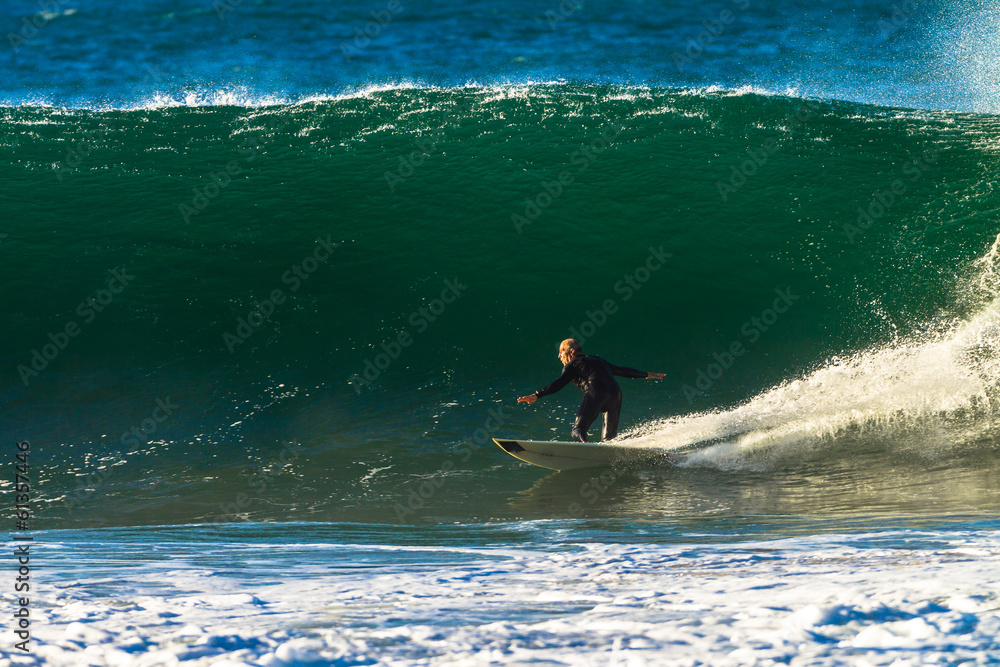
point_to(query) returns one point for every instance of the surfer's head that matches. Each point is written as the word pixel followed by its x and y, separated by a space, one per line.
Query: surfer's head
pixel 569 349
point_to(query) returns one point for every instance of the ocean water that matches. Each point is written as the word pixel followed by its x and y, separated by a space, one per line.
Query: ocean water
pixel 275 274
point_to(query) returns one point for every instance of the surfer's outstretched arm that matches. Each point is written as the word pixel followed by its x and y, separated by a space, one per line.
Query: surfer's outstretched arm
pixel 569 372
pixel 626 372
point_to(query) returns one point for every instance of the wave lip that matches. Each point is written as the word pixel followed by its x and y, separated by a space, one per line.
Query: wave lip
pixel 247 97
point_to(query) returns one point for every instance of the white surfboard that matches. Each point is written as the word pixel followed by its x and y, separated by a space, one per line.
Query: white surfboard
pixel 573 455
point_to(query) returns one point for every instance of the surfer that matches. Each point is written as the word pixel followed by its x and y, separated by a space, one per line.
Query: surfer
pixel 601 393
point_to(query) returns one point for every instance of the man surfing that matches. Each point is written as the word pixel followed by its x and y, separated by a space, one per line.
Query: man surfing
pixel 601 392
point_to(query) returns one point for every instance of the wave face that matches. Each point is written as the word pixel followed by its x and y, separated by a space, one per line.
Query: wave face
pixel 310 310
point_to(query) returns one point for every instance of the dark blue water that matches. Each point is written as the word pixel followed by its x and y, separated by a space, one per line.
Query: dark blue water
pixel 913 53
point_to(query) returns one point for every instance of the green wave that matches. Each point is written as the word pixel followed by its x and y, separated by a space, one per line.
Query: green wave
pixel 442 241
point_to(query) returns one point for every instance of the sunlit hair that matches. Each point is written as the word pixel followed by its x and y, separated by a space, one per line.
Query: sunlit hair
pixel 572 346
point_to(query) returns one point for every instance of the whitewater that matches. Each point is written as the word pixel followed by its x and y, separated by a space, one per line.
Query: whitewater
pixel 548 591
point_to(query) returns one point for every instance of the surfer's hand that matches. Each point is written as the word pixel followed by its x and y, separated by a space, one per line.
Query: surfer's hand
pixel 655 376
pixel 529 399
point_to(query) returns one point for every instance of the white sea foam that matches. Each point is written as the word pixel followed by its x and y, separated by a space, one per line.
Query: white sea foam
pixel 877 599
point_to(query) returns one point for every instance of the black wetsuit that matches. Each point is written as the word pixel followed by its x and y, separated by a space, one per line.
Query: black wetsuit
pixel 601 392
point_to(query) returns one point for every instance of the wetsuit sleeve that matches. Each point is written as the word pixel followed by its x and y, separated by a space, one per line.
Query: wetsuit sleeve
pixel 567 376
pixel 626 372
